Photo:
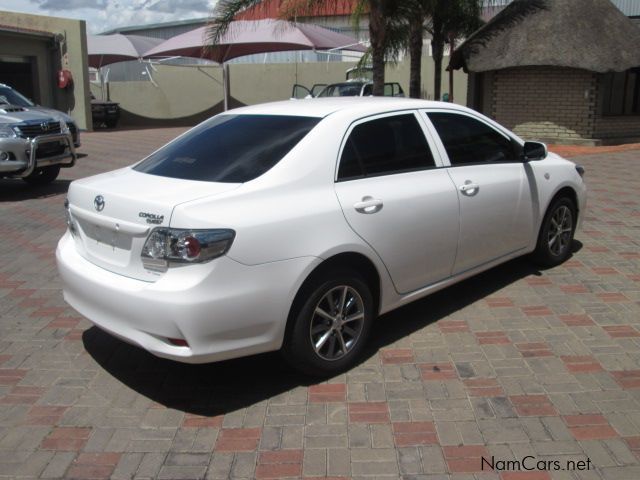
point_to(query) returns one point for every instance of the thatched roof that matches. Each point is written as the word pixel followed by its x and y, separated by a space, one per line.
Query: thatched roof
pixel 587 34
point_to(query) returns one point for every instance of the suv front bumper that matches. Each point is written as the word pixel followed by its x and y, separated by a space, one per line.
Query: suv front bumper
pixel 25 153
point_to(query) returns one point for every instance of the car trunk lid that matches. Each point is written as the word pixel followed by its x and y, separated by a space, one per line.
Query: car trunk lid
pixel 115 212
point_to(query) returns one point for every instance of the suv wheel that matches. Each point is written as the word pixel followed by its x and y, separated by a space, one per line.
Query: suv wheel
pixel 330 324
pixel 556 234
pixel 43 176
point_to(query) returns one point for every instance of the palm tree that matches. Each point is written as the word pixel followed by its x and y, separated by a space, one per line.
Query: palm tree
pixel 381 14
pixel 444 20
pixel 462 22
pixel 452 19
pixel 447 21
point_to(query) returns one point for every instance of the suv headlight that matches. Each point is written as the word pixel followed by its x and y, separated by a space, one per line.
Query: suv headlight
pixel 64 128
pixel 7 132
pixel 166 246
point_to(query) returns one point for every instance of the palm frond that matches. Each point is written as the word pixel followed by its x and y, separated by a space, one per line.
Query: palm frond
pixel 223 14
pixel 364 63
pixel 359 10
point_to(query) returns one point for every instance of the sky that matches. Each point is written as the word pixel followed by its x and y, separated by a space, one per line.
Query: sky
pixel 102 15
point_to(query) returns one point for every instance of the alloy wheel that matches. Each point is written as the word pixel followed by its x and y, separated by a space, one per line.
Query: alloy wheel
pixel 560 229
pixel 337 322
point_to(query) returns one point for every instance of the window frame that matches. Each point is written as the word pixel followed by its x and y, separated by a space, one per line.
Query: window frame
pixel 630 103
pixel 517 141
pixel 435 152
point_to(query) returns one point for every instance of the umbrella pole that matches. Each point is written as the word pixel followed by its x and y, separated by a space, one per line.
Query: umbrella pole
pixel 225 85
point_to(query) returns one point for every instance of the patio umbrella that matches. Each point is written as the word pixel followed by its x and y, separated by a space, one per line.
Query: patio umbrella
pixel 247 37
pixel 106 49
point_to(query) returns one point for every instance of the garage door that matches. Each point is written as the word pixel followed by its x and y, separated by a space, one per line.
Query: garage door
pixel 19 73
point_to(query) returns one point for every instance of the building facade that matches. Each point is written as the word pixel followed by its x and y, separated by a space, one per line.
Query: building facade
pixel 566 71
pixel 33 49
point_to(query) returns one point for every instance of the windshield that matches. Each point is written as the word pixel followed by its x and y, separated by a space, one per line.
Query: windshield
pixel 229 148
pixel 8 96
pixel 342 90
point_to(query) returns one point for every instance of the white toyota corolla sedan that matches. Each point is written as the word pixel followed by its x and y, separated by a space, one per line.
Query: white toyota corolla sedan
pixel 292 225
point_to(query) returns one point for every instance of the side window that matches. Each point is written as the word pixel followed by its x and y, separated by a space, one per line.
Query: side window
pixel 385 146
pixel 468 140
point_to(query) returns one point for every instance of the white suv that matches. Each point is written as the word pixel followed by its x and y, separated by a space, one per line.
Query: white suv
pixel 292 225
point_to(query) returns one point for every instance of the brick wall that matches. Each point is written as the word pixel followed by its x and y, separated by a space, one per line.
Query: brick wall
pixel 618 127
pixel 546 102
pixel 625 128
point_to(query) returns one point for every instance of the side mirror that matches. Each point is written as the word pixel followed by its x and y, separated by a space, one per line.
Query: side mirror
pixel 533 151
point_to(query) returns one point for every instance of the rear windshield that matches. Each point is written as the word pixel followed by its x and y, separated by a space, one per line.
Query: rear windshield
pixel 229 148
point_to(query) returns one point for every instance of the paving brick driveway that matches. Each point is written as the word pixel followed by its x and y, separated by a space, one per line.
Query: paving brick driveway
pixel 516 364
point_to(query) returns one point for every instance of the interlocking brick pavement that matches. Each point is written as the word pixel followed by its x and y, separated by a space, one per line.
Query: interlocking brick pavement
pixel 516 362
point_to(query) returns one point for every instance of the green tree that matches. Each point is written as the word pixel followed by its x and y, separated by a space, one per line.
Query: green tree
pixel 381 15
pixel 463 21
pixel 445 20
pixel 450 20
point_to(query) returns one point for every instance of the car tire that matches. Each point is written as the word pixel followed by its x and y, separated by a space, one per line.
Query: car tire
pixel 321 344
pixel 43 176
pixel 556 233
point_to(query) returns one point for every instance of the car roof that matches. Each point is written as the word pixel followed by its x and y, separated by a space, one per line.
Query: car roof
pixel 322 107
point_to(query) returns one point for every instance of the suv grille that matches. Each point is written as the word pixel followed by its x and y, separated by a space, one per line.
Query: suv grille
pixel 50 149
pixel 41 128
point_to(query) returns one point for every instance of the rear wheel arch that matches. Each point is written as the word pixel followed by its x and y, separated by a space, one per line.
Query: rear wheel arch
pixel 340 328
pixel 357 262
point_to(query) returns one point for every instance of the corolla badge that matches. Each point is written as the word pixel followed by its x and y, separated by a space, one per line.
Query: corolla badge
pixel 153 218
pixel 98 203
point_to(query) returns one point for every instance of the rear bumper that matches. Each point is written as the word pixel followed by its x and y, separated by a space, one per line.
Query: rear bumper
pixel 223 309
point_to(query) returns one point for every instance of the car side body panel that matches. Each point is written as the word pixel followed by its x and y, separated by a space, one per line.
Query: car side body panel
pixel 289 221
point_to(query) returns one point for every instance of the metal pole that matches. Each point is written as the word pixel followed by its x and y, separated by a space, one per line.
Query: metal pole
pixel 225 85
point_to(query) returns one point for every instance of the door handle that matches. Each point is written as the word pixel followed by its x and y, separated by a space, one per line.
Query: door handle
pixel 469 188
pixel 368 205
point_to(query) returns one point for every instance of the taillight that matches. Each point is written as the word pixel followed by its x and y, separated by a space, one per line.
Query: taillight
pixel 167 246
pixel 178 342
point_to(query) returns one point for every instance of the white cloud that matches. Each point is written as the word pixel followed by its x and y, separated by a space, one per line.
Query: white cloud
pixel 102 15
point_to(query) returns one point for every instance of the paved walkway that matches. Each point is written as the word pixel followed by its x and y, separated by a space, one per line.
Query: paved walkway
pixel 518 364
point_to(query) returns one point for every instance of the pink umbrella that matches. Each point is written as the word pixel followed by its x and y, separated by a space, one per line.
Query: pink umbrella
pixel 246 37
pixel 106 49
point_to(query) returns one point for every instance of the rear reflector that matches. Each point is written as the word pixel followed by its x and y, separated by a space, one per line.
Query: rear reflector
pixel 178 342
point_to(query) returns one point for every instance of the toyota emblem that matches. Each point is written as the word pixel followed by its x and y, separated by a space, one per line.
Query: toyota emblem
pixel 98 203
pixel 44 126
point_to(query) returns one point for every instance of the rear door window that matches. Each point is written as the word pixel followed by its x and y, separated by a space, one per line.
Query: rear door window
pixel 385 146
pixel 229 148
